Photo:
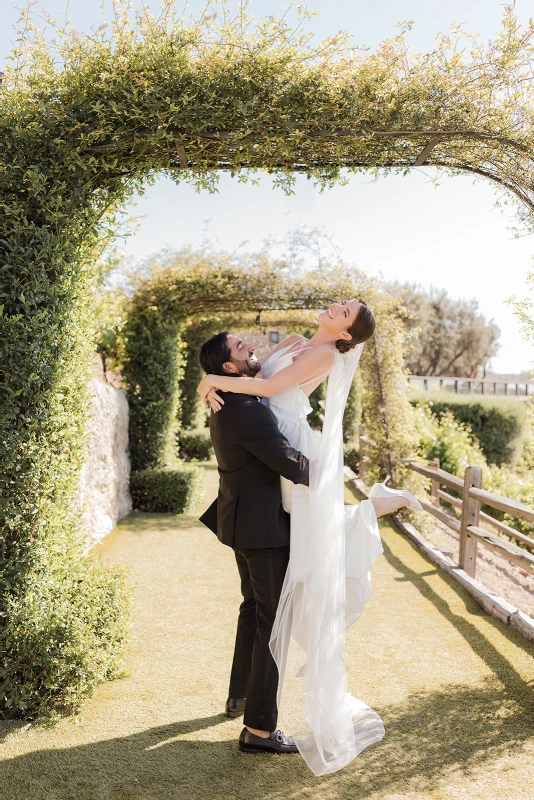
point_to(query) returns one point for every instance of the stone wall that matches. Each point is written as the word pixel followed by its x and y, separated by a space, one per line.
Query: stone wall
pixel 104 492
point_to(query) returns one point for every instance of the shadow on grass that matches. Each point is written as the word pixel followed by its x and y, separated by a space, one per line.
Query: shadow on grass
pixel 479 643
pixel 428 737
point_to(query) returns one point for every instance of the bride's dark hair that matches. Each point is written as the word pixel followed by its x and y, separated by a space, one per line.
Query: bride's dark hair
pixel 361 329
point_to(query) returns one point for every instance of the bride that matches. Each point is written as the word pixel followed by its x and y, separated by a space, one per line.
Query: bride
pixel 332 546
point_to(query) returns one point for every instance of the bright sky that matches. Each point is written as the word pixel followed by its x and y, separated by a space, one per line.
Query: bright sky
pixel 402 227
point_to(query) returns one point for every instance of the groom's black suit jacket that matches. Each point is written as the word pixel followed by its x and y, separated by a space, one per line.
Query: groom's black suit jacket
pixel 251 454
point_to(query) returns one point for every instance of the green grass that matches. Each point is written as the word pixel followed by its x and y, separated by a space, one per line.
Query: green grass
pixel 453 686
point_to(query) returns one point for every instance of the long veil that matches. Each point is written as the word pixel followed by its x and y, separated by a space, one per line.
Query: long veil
pixel 329 725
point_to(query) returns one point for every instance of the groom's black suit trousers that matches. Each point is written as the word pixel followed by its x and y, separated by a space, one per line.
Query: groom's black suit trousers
pixel 254 673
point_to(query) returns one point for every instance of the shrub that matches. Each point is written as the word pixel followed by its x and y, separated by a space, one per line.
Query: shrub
pixel 446 438
pixel 351 455
pixel 173 489
pixel 195 445
pixel 193 414
pixel 452 442
pixel 506 482
pixel 317 402
pixel 67 626
pixel 499 424
pixel 352 416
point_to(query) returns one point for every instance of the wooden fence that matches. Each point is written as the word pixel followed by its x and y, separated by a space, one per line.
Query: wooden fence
pixel 470 525
pixel 522 389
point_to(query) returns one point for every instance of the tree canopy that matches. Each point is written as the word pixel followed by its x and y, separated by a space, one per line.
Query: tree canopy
pixel 449 336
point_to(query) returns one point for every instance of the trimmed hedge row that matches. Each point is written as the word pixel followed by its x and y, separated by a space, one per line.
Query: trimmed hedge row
pixel 195 445
pixel 169 490
pixel 67 623
pixel 499 424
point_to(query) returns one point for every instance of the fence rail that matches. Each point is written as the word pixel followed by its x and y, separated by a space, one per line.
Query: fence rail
pixel 484 386
pixel 469 525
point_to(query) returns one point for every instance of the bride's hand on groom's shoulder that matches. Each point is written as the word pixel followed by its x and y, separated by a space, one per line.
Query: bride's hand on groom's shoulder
pixel 214 400
pixel 204 387
pixel 209 394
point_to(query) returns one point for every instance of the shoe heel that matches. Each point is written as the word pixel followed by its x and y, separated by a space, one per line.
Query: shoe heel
pixel 250 749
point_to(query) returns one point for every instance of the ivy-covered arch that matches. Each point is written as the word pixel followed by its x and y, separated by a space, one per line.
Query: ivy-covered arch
pixel 87 122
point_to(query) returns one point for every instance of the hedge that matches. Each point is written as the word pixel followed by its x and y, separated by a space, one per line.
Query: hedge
pixel 499 424
pixel 192 412
pixel 67 623
pixel 195 444
pixel 351 456
pixel 172 489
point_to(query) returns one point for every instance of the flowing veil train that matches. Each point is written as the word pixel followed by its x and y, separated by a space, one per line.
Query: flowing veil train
pixel 324 590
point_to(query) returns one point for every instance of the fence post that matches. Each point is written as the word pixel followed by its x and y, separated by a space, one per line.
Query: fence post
pixel 363 452
pixel 434 464
pixel 470 516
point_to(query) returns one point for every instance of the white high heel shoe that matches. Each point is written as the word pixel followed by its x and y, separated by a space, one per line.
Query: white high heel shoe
pixel 380 491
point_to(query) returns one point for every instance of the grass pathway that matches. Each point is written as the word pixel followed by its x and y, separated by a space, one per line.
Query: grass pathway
pixel 454 687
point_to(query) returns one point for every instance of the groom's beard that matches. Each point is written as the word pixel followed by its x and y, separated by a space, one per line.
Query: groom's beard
pixel 247 369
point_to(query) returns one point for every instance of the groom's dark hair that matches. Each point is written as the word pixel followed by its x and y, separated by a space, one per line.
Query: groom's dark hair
pixel 214 353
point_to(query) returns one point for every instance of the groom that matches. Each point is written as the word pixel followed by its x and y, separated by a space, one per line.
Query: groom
pixel 248 516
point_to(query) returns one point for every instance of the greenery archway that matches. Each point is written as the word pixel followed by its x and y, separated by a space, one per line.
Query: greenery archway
pixel 188 288
pixel 86 125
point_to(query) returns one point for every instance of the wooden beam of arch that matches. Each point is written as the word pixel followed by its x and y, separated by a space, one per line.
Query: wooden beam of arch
pixel 359 133
pixel 182 156
pixel 423 155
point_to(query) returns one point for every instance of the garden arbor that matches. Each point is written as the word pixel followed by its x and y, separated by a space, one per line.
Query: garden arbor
pixel 188 290
pixel 85 127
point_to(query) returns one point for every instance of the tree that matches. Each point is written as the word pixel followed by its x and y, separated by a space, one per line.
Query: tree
pixel 447 336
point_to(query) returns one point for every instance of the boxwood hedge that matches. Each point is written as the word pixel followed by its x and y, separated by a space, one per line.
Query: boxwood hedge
pixel 171 489
pixel 195 444
pixel 499 424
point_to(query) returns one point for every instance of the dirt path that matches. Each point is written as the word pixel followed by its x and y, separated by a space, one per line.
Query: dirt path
pixel 454 687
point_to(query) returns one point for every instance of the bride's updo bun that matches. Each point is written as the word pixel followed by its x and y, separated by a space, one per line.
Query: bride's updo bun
pixel 361 329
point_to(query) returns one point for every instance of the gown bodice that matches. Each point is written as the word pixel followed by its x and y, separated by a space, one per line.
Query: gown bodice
pixel 291 402
pixel 290 406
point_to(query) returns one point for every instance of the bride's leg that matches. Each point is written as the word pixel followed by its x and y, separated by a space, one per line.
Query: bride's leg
pixel 386 505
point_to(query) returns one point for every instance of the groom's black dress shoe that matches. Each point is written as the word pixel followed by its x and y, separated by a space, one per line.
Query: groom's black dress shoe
pixel 278 742
pixel 235 706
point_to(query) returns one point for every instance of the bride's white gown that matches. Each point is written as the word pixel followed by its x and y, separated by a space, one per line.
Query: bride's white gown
pixel 328 581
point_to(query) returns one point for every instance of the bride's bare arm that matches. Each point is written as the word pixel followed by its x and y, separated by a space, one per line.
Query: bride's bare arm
pixel 313 364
